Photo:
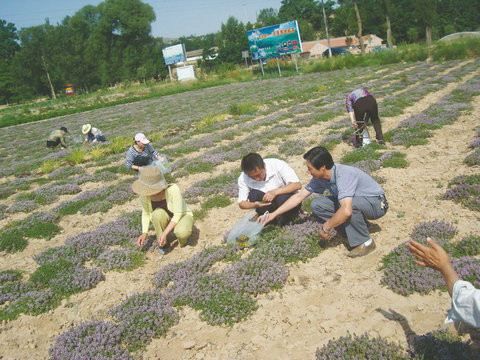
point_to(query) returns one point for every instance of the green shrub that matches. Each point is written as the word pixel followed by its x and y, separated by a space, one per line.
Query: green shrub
pixel 12 240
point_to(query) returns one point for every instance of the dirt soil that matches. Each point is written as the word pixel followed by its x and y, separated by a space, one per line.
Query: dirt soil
pixel 322 299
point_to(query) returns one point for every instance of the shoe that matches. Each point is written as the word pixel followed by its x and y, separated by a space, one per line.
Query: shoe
pixel 381 141
pixel 362 250
pixel 188 242
pixel 162 250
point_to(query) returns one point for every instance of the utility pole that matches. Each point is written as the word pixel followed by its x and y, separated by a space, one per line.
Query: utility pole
pixel 326 30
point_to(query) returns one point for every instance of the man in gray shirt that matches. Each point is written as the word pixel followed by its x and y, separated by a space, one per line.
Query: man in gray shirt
pixel 349 198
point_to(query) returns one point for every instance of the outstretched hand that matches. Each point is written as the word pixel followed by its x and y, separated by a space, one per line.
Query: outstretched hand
pixel 434 257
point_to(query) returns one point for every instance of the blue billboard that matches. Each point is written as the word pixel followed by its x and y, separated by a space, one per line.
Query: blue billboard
pixel 276 40
pixel 174 54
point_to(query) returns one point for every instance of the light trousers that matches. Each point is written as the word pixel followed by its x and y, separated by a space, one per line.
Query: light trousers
pixel 182 230
pixel 355 227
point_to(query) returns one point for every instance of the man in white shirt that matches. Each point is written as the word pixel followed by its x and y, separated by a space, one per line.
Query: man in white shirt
pixel 265 184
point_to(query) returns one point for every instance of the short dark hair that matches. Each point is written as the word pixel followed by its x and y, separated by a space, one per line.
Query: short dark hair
pixel 252 161
pixel 319 156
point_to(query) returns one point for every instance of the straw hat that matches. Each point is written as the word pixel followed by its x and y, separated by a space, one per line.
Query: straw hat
pixel 150 182
pixel 86 128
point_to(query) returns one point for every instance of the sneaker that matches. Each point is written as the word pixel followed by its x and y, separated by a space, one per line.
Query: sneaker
pixel 381 141
pixel 362 250
pixel 162 250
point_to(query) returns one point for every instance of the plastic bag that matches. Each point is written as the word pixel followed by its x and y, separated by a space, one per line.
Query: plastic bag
pixel 163 164
pixel 246 231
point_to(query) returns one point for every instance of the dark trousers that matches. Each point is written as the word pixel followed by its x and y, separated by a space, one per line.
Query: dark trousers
pixel 53 144
pixel 283 219
pixel 365 109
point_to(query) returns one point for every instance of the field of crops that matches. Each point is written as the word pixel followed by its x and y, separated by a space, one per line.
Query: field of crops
pixel 73 284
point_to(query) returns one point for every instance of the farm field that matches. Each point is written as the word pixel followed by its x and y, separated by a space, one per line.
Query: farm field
pixel 69 224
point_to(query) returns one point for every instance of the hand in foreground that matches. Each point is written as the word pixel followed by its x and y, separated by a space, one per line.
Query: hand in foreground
pixel 434 257
pixel 355 124
pixel 141 239
pixel 328 235
pixel 261 219
pixel 162 240
pixel 269 196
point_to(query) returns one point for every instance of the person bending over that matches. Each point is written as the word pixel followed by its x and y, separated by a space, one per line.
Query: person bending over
pixel 361 107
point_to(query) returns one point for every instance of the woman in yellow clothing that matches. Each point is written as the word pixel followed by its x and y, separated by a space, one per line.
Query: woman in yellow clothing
pixel 163 205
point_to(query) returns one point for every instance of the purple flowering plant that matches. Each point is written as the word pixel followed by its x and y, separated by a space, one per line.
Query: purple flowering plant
pixel 464 190
pixel 91 340
pixel 361 347
pixel 404 277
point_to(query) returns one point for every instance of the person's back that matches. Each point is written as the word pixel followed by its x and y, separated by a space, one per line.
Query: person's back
pixel 55 135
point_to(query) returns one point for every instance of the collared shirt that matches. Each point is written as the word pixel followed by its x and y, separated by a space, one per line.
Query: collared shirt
pixel 354 96
pixel 277 174
pixel 346 181
pixel 465 304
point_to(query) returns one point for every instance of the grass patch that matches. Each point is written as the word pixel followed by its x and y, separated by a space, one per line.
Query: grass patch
pixel 397 160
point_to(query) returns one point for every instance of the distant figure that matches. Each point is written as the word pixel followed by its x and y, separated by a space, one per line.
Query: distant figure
pixel 163 205
pixel 141 153
pixel 349 198
pixel 465 298
pixel 266 184
pixel 57 137
pixel 361 107
pixel 92 134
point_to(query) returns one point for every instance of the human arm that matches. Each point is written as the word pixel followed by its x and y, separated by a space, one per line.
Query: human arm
pixel 434 257
pixel 141 239
pixel 351 114
pixel 154 154
pixel 63 141
pixel 162 240
pixel 341 215
pixel 293 201
pixel 129 160
pixel 287 189
pixel 246 205
pixel 243 191
pixel 145 220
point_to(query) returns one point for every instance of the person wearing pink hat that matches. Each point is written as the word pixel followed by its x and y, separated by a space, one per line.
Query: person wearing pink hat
pixel 141 153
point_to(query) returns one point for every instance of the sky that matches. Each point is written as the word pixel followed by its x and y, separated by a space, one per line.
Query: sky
pixel 174 18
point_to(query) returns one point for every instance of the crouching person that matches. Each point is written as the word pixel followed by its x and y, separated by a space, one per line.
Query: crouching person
pixel 163 205
pixel 264 185
pixel 350 197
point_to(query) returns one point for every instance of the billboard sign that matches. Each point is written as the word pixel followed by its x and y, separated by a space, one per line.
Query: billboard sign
pixel 185 73
pixel 174 54
pixel 276 40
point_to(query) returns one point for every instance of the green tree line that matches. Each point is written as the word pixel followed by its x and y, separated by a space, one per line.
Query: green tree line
pixel 103 45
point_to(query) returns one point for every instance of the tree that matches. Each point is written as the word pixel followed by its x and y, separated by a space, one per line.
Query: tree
pixel 234 40
pixel 8 48
pixel 308 10
pixel 426 12
pixel 267 17
pixel 385 6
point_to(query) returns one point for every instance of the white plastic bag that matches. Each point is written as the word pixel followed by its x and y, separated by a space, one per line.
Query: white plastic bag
pixel 246 231
pixel 163 164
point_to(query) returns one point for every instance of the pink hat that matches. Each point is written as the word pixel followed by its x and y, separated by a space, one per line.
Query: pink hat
pixel 142 138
